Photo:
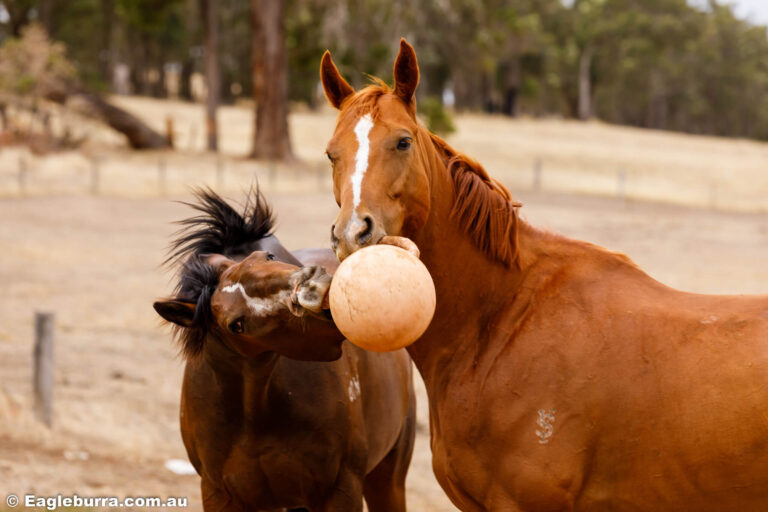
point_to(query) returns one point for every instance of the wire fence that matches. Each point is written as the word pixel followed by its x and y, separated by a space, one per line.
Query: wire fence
pixel 151 174
pixel 630 183
pixel 166 173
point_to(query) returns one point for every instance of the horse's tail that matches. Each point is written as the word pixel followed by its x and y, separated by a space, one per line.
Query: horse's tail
pixel 219 228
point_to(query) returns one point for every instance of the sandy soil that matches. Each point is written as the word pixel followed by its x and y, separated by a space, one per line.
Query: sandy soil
pixel 95 263
pixel 94 260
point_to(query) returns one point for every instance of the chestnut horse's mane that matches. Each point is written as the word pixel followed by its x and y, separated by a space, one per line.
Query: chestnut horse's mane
pixel 483 207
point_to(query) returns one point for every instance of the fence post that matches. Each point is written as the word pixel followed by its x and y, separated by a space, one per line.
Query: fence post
pixel 95 178
pixel 192 136
pixel 22 176
pixel 537 165
pixel 169 133
pixel 219 173
pixel 43 367
pixel 621 185
pixel 162 177
pixel 272 174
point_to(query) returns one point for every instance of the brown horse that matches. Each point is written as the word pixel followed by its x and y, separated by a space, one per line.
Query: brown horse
pixel 264 430
pixel 560 376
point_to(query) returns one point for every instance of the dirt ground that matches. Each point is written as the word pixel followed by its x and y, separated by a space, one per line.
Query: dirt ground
pixel 95 262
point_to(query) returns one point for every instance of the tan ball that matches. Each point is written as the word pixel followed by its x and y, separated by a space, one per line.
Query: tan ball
pixel 382 298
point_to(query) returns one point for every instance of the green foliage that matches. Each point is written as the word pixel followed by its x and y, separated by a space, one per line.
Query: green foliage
pixel 438 119
pixel 654 63
pixel 32 65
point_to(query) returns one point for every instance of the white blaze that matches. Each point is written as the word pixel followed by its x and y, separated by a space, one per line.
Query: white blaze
pixel 362 129
pixel 260 305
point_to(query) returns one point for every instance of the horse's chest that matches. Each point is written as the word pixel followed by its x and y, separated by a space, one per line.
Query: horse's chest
pixel 457 446
pixel 276 473
pixel 485 444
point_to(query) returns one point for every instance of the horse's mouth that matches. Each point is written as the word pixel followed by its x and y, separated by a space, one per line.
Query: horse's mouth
pixel 310 291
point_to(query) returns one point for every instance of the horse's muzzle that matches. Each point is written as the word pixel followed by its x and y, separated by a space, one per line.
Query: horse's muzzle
pixel 361 231
pixel 310 288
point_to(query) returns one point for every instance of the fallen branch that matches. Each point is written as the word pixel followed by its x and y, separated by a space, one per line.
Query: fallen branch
pixel 138 133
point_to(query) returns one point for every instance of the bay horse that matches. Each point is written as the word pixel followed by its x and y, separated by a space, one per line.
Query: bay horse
pixel 560 376
pixel 265 430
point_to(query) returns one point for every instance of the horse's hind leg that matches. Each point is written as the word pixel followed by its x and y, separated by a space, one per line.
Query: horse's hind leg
pixel 384 487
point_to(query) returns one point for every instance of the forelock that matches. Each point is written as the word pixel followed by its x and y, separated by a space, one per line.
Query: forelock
pixel 366 100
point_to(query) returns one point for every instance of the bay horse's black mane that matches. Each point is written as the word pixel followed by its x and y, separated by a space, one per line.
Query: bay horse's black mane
pixel 219 229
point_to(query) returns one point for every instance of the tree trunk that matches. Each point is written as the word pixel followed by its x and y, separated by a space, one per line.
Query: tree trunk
pixel 271 138
pixel 18 17
pixel 185 80
pixel 45 15
pixel 212 78
pixel 106 59
pixel 512 80
pixel 585 83
pixel 145 65
pixel 162 90
pixel 137 69
pixel 3 116
pixel 657 106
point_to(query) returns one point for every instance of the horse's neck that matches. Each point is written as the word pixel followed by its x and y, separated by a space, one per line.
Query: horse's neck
pixel 471 287
pixel 248 379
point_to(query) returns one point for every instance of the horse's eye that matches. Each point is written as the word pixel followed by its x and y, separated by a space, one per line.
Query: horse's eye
pixel 270 257
pixel 329 156
pixel 237 326
pixel 404 143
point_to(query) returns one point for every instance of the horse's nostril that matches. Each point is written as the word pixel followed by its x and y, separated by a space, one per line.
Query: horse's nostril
pixel 365 234
pixel 334 238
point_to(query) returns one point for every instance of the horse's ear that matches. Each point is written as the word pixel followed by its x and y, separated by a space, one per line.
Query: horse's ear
pixel 336 88
pixel 406 72
pixel 219 262
pixel 177 312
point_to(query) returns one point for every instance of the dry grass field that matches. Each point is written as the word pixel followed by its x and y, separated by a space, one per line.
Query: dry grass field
pixel 573 157
pixel 95 260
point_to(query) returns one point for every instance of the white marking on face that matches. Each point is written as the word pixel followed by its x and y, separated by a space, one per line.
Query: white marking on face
pixel 362 130
pixel 261 306
pixel 712 319
pixel 546 421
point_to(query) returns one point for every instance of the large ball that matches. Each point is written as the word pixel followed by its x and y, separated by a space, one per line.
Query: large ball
pixel 382 298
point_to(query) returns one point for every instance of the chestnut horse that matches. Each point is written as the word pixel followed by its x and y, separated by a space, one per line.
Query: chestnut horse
pixel 560 376
pixel 266 432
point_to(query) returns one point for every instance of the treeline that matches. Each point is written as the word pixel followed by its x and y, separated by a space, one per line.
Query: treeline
pixel 652 63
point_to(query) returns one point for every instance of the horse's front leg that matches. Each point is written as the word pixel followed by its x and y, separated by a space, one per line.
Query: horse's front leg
pixel 216 500
pixel 346 496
